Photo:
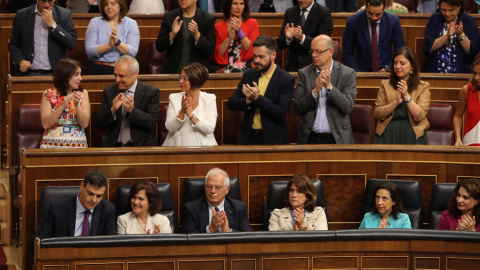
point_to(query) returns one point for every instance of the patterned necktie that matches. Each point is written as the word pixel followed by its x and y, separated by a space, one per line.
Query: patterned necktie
pixel 375 64
pixel 86 224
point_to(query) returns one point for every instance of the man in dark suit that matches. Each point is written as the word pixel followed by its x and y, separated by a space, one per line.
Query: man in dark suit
pixel 52 29
pixel 187 34
pixel 358 48
pixel 341 5
pixel 215 213
pixel 129 108
pixel 82 215
pixel 324 97
pixel 265 94
pixel 301 24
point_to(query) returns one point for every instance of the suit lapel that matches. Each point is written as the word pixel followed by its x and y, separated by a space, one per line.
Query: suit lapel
pixel 204 213
pixel 308 21
pixel 96 217
pixel 335 71
pixel 296 15
pixel 366 31
pixel 72 215
pixel 138 97
pixel 31 25
pixel 272 83
pixel 229 212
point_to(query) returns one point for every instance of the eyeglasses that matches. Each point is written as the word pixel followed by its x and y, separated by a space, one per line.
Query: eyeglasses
pixel 185 78
pixel 317 52
pixel 217 188
pixel 44 1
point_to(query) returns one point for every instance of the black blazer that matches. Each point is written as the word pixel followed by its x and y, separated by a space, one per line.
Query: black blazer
pixel 273 106
pixel 143 118
pixel 59 220
pixel 199 52
pixel 62 38
pixel 195 215
pixel 318 22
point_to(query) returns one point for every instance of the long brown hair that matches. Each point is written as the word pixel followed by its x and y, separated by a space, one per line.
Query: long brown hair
pixel 414 79
pixel 472 186
pixel 64 71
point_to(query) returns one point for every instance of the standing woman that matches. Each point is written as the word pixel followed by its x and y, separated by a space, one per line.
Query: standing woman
pixel 110 36
pixel 451 39
pixel 402 103
pixel 65 109
pixel 469 100
pixel 192 114
pixel 235 35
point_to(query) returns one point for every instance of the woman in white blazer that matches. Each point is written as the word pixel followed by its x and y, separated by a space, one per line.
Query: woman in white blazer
pixel 192 114
pixel 144 219
pixel 299 213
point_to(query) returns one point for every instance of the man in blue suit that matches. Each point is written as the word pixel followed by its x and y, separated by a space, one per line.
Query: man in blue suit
pixel 357 46
pixel 265 94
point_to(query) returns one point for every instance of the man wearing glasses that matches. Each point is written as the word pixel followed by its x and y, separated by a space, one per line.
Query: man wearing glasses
pixel 324 98
pixel 215 213
pixel 41 35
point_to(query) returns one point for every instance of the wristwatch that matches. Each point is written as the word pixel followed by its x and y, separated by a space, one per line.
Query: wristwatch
pixel 53 27
pixel 193 115
pixel 462 38
pixel 408 100
pixel 118 42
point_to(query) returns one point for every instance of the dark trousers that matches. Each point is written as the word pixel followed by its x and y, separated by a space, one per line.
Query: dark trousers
pixel 255 137
pixel 320 138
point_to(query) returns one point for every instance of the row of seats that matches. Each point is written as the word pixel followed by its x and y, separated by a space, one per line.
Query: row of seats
pixel 410 191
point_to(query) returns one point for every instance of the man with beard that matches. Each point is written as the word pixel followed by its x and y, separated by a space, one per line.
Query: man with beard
pixel 325 95
pixel 264 94
pixel 358 51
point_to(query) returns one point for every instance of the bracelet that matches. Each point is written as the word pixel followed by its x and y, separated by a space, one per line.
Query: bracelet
pixel 193 115
pixel 240 34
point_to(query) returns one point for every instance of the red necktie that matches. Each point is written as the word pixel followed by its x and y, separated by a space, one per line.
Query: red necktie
pixel 86 224
pixel 375 64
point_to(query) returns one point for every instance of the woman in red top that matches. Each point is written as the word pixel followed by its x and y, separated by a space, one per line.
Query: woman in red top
pixel 463 210
pixel 469 100
pixel 235 35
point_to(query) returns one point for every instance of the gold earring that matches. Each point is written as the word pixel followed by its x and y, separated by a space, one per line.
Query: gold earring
pixel 410 71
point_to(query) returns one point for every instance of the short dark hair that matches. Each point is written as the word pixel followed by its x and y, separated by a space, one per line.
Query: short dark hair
pixel 414 78
pixel 64 71
pixel 304 185
pixel 266 41
pixel 472 186
pixel 96 178
pixel 227 8
pixel 376 3
pixel 197 74
pixel 123 9
pixel 456 3
pixel 154 202
pixel 394 194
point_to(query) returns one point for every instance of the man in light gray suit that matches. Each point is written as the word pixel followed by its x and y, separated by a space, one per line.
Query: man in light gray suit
pixel 324 97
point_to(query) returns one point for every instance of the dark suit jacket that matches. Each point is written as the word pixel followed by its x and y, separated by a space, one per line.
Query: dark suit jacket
pixel 342 5
pixel 62 38
pixel 143 118
pixel 273 106
pixel 199 52
pixel 195 215
pixel 357 44
pixel 319 21
pixel 59 220
pixel 340 102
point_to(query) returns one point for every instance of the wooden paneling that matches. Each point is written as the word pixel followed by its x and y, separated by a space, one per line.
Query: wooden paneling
pixel 342 168
pixel 285 263
pixel 385 262
pixel 152 265
pixel 336 262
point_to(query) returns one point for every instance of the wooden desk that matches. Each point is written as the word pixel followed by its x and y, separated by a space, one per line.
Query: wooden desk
pixel 343 169
pixel 375 249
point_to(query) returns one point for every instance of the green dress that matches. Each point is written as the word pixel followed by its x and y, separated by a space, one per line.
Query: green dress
pixel 399 130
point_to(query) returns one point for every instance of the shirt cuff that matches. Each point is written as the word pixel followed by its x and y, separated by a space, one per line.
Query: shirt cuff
pixel 315 97
pixel 289 40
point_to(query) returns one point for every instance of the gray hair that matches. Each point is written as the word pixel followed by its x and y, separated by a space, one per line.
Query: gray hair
pixel 217 171
pixel 131 61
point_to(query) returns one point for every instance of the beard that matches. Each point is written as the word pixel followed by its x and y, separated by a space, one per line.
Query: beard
pixel 262 68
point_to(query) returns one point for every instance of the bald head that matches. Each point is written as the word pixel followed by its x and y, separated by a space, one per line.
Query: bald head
pixel 322 51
